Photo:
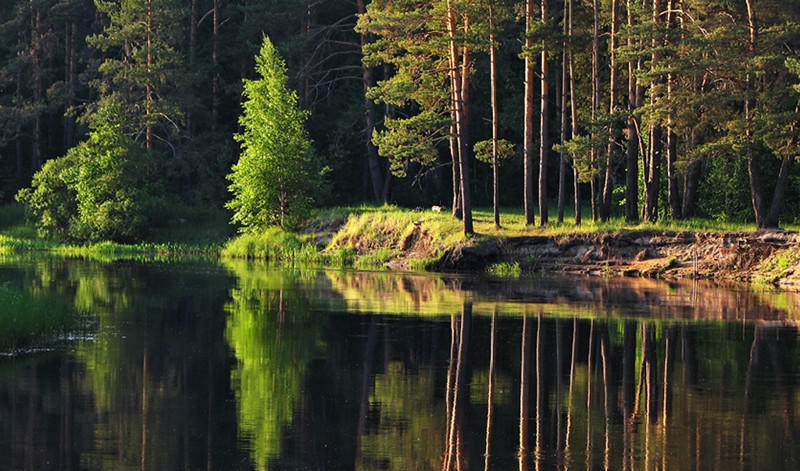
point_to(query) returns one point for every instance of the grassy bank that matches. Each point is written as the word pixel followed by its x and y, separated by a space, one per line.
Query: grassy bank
pixel 187 232
pixel 372 236
pixel 360 236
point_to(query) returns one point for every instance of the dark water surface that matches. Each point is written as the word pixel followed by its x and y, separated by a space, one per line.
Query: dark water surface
pixel 199 365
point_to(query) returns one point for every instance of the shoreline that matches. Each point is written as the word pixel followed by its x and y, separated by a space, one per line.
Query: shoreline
pixel 769 257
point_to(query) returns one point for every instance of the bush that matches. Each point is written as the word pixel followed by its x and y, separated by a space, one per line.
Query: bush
pixel 100 190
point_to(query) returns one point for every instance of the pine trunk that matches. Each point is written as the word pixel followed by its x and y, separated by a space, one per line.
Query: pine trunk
pixel 544 145
pixel 576 184
pixel 753 166
pixel 632 157
pixel 595 96
pixel 370 112
pixel 562 158
pixel 608 181
pixel 528 147
pixel 493 80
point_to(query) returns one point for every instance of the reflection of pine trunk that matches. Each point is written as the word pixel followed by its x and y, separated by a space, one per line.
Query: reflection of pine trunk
pixel 454 456
pixel 604 355
pixel 755 359
pixel 571 388
pixel 144 406
pixel 785 395
pixel 628 394
pixel 648 373
pixel 369 350
pixel 689 350
pixel 666 404
pixel 211 418
pixel 559 389
pixel 67 423
pixel 30 425
pixel 589 364
pixel 540 394
pixel 490 395
pixel 524 394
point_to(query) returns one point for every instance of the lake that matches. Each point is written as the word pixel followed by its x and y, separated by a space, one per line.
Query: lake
pixel 192 364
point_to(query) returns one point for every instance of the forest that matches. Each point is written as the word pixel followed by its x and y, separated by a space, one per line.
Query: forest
pixel 119 115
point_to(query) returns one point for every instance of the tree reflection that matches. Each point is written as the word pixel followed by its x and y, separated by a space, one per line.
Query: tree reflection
pixel 273 337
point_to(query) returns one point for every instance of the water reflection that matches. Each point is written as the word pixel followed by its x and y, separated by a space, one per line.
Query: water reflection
pixel 196 366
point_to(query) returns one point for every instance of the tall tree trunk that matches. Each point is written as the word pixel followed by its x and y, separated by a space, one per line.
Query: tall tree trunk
pixel 528 147
pixel 216 99
pixel 562 158
pixel 38 86
pixel 653 177
pixel 753 166
pixel 773 216
pixel 370 112
pixel 544 144
pixel 595 95
pixel 457 83
pixel 495 163
pixel 632 160
pixel 463 133
pixel 70 78
pixel 148 107
pixel 576 184
pixel 608 181
pixel 672 137
pixel 194 17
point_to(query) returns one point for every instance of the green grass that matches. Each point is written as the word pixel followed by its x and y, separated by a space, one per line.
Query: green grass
pixel 504 270
pixel 369 237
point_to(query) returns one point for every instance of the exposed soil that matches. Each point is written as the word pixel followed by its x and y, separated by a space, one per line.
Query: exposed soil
pixel 772 256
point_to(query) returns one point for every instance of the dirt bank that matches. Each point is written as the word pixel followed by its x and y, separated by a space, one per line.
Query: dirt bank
pixel 768 256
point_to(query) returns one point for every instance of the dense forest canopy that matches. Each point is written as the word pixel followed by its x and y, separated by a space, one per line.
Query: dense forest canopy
pixel 120 111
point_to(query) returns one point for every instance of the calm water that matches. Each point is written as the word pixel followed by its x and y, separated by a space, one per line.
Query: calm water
pixel 197 365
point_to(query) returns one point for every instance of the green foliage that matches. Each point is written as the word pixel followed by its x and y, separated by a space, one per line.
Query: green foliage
pixel 52 200
pixel 278 176
pixel 100 190
pixel 505 151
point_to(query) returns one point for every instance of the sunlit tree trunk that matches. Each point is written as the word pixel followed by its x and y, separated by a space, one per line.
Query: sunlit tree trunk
pixel 564 86
pixel 576 184
pixel 632 160
pixel 528 145
pixel 544 142
pixel 493 79
pixel 653 177
pixel 608 180
pixel 595 96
